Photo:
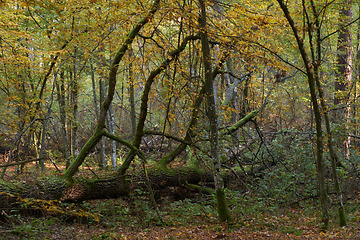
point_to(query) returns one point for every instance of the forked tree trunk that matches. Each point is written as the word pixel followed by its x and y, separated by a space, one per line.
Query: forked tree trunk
pixel 190 133
pixel 97 135
pixel 145 97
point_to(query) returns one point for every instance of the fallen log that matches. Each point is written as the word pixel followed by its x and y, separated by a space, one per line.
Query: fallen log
pixel 118 186
pixel 57 189
pixel 46 196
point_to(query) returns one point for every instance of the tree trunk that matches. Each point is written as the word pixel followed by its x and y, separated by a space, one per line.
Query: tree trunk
pixel 111 126
pixel 192 124
pixel 333 157
pixel 62 106
pixel 145 97
pixel 344 71
pixel 95 138
pixel 189 133
pixel 222 208
pixel 113 187
pixel 309 71
pixel 102 158
pixel 74 105
pixel 356 78
pixel 102 155
pixel 132 97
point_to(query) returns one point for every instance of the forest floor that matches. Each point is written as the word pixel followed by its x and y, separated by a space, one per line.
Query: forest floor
pixel 195 218
pixel 265 226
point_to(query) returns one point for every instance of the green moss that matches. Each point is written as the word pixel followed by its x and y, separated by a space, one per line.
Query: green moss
pixel 222 207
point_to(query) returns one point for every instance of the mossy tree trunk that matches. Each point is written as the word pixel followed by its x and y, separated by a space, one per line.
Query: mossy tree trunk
pixel 95 138
pixel 333 156
pixel 311 71
pixel 132 96
pixel 90 189
pixel 145 97
pixel 190 133
pixel 222 208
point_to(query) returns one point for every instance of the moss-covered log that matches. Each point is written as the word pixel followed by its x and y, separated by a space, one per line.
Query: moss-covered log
pixel 46 196
pixel 89 189
pixel 12 203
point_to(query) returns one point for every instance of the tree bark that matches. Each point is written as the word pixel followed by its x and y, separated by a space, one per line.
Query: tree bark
pixel 317 113
pixel 112 187
pixel 344 71
pixel 222 207
pixel 111 125
pixel 132 97
pixel 62 106
pixel 102 158
pixel 75 105
pixel 333 156
pixel 356 78
pixel 102 155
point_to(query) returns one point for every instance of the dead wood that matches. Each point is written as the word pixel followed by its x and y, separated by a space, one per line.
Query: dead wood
pixel 42 196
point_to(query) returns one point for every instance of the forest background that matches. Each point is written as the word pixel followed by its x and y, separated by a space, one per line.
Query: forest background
pixel 249 107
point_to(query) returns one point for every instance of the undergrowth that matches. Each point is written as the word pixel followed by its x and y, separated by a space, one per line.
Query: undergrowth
pixel 251 212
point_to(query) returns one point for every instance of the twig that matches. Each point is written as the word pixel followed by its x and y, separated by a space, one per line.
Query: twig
pixel 21 162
